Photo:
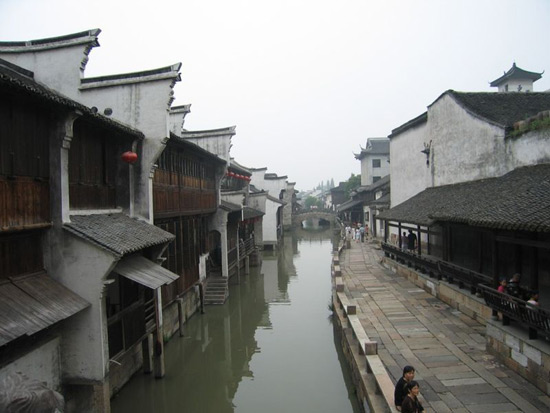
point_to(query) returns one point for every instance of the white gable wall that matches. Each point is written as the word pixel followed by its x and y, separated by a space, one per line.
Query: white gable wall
pixel 408 171
pixel 270 222
pixel 58 65
pixel 464 147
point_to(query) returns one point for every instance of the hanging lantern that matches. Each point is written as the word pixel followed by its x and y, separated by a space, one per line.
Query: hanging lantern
pixel 129 157
pixel 231 173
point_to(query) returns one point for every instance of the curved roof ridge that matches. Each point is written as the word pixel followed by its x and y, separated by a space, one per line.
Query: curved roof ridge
pixel 52 42
pixel 516 73
pixel 88 37
pixel 209 132
pixel 172 70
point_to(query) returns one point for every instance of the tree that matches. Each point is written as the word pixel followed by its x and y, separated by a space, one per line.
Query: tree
pixel 353 182
pixel 313 201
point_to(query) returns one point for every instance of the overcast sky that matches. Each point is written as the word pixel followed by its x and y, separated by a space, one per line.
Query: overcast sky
pixel 306 82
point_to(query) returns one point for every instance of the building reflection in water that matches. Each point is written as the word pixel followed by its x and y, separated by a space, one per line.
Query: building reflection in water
pixel 220 365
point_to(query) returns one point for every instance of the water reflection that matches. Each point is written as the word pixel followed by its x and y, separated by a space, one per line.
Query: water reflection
pixel 270 348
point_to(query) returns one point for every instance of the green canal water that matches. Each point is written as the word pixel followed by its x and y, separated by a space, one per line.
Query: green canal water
pixel 270 348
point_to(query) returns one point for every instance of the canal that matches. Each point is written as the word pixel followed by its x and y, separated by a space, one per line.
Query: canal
pixel 270 348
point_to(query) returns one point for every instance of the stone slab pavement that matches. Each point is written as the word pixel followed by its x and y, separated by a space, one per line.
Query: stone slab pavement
pixel 446 347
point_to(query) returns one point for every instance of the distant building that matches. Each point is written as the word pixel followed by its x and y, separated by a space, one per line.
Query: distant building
pixel 374 160
pixel 516 80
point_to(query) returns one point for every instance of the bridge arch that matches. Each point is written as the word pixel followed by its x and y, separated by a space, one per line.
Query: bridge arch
pixel 297 219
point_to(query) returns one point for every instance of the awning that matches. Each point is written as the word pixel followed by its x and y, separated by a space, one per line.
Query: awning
pixel 30 303
pixel 145 272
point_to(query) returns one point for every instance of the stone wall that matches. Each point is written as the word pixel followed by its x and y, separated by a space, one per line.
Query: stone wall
pixel 512 347
pixel 461 299
pixel 191 304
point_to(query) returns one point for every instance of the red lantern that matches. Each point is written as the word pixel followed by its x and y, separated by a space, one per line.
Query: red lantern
pixel 129 157
pixel 231 173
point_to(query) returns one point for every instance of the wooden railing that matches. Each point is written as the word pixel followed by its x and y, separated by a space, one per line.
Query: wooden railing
pixel 535 318
pixel 439 268
pixel 246 248
pixel 232 257
pixel 464 276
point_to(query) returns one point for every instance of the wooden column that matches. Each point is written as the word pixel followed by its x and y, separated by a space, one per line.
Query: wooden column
pixel 419 246
pixel 160 369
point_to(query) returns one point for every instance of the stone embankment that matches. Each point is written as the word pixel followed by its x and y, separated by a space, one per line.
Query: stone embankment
pixel 388 322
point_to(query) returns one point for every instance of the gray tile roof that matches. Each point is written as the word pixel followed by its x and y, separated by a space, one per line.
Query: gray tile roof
pixel 519 200
pixel 249 212
pixel 503 109
pixel 117 233
pixel 229 206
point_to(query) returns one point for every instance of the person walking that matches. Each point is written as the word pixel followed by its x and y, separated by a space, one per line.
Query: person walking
pixel 400 393
pixel 411 238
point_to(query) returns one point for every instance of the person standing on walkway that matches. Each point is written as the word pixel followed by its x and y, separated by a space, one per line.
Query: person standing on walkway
pixel 400 393
pixel 404 241
pixel 411 238
pixel 362 230
pixel 411 404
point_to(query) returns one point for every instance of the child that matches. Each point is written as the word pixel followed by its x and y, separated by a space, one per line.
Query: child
pixel 502 287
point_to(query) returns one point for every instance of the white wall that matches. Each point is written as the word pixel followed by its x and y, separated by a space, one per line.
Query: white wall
pixel 60 68
pixel 270 222
pixel 367 170
pixel 82 268
pixel 408 170
pixel 42 363
pixel 464 147
pixel 528 149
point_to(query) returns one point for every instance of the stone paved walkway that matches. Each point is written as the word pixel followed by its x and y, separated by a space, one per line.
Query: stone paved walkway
pixel 446 347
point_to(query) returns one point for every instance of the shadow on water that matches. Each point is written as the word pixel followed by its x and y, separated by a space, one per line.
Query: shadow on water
pixel 270 348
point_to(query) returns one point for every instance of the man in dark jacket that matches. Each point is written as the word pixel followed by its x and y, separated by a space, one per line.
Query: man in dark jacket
pixel 399 394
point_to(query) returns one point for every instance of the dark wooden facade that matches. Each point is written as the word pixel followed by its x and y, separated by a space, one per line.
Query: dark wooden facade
pixel 25 129
pixel 185 194
pixel 184 184
pixel 95 168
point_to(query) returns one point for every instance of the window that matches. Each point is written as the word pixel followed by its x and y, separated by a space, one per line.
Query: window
pixel 376 178
pixel 376 163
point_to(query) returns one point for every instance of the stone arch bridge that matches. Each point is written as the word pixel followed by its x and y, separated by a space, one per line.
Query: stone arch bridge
pixel 297 219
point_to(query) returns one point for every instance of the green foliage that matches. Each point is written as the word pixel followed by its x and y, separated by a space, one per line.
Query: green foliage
pixel 531 126
pixel 353 182
pixel 313 201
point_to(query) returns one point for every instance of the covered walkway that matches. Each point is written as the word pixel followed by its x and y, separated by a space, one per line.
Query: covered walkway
pixel 446 347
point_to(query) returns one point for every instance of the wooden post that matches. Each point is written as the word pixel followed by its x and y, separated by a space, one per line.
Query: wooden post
pixel 494 259
pixel 419 242
pixel 147 347
pixel 160 370
pixel 180 316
